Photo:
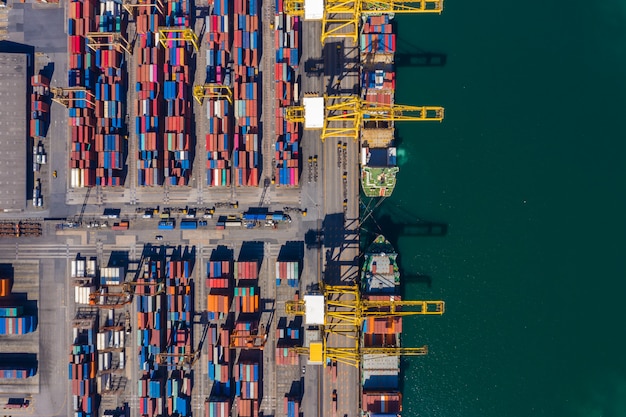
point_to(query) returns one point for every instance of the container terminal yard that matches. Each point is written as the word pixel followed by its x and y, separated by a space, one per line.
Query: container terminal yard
pixel 180 208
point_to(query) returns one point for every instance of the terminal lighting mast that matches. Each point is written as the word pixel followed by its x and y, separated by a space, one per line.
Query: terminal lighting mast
pixel 344 116
pixel 341 18
pixel 217 91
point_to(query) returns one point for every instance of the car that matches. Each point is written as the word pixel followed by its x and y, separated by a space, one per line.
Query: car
pixel 303 369
pixel 54 174
pixel 159 237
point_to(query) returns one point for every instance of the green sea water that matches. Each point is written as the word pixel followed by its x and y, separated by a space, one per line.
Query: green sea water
pixel 528 171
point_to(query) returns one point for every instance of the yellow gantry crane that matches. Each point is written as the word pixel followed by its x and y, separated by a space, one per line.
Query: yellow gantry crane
pixel 116 40
pixel 212 90
pixel 67 95
pixel 344 309
pixel 319 353
pixel 344 116
pixel 341 18
pixel 341 309
pixel 153 6
pixel 184 35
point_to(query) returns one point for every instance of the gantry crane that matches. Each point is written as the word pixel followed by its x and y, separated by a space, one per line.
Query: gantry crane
pixel 63 96
pixel 125 295
pixel 344 309
pixel 109 300
pixel 344 116
pixel 248 341
pixel 340 18
pixel 154 6
pixel 212 90
pixel 184 35
pixel 99 40
pixel 320 353
pixel 341 309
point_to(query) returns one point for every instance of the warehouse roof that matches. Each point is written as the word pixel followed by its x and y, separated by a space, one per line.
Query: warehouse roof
pixel 13 134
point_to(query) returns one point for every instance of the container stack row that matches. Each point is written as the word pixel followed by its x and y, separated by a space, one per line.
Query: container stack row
pixel 179 289
pixel 219 283
pixel 220 356
pixel 82 369
pixel 377 36
pixel 246 94
pixel 110 98
pixel 378 78
pixel 13 320
pixel 15 372
pixel 286 338
pixel 110 342
pixel 292 407
pixel 217 408
pixel 288 271
pixel 39 106
pixel 81 105
pixel 247 380
pixel 97 114
pixel 219 111
pixel 150 338
pixel 382 403
pixel 287 46
pixel 148 84
pixel 246 299
pixel 177 85
pixel 247 270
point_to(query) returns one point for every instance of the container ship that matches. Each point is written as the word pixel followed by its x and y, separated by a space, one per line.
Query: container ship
pixel 378 83
pixel 380 374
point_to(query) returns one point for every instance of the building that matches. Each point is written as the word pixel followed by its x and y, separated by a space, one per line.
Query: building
pixel 13 131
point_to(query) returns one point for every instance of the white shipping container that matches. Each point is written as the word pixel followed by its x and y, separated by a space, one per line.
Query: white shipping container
pixel 121 360
pixel 91 268
pixel 73 268
pixel 75 400
pixel 116 339
pixel 288 23
pixel 107 360
pixel 100 361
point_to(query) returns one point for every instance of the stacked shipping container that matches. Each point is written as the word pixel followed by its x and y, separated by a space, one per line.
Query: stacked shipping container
pixel 220 292
pixel 148 82
pixel 96 116
pixel 82 369
pixel 150 338
pixel 219 365
pixel 289 271
pixel 246 138
pixel 378 79
pixel 110 104
pixel 177 82
pixel 287 46
pixel 219 112
pixel 179 289
pixel 81 73
pixel 39 106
